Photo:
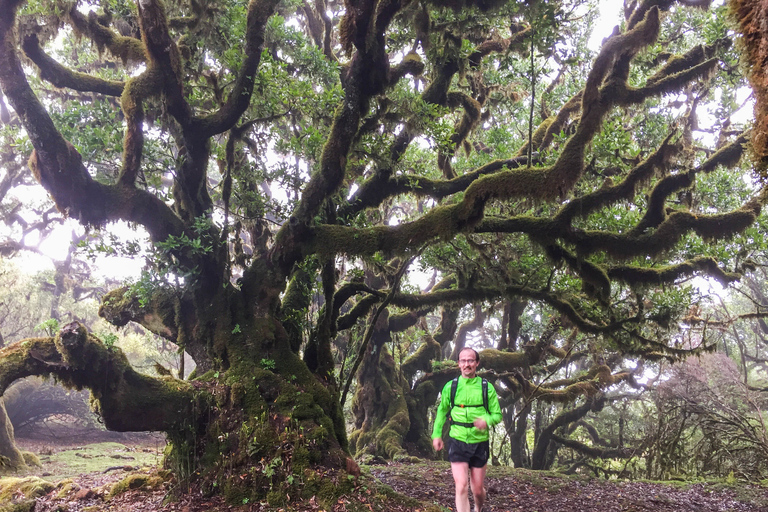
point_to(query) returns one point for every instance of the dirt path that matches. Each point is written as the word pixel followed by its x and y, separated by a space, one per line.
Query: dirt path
pixel 429 483
pixel 513 489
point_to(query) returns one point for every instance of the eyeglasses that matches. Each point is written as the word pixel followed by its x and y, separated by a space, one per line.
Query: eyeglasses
pixel 466 361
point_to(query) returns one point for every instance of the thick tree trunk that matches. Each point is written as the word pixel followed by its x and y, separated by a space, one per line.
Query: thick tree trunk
pixel 421 397
pixel 379 404
pixel 11 459
pixel 254 429
pixel 540 458
pixel 516 429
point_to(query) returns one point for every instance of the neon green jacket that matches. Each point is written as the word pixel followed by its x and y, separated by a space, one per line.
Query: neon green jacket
pixel 469 391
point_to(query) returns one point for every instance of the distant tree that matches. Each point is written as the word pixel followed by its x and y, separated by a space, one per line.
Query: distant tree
pixel 277 152
pixel 710 422
pixel 32 402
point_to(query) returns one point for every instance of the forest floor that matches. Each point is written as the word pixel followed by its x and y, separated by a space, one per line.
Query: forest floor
pixel 93 469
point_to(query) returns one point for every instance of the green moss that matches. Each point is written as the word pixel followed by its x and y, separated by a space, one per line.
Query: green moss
pixel 327 490
pixel 21 506
pixel 262 441
pixel 207 376
pixel 135 481
pixel 235 492
pixel 31 459
pixel 17 493
pixel 497 360
pixel 93 458
pixel 66 487
pixel 276 498
pixel 237 393
pixel 301 459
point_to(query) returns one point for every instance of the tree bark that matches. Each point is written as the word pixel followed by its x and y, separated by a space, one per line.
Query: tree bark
pixel 539 458
pixel 11 459
pixel 379 404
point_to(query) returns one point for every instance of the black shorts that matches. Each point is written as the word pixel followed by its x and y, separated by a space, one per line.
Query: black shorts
pixel 476 454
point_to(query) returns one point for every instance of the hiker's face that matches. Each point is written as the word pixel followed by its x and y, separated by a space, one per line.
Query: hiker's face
pixel 467 363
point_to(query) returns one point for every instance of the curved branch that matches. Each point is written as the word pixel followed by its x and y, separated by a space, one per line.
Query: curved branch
pixel 477 294
pixel 671 273
pixel 360 309
pixel 119 307
pixel 126 400
pixel 470 119
pixel 136 90
pixel 427 187
pixel 165 58
pixel 372 326
pixel 61 76
pixel 564 418
pixel 727 156
pixel 591 451
pixel 669 232
pixel 365 78
pixel 618 46
pixel 464 329
pixel 375 190
pixel 629 95
pixel 259 12
pixel 446 221
pixel 58 166
pixel 421 359
pixel 607 195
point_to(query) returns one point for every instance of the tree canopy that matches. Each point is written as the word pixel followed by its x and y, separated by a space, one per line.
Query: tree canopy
pixel 293 163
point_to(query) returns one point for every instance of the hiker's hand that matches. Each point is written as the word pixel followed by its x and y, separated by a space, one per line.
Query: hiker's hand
pixel 480 424
pixel 437 444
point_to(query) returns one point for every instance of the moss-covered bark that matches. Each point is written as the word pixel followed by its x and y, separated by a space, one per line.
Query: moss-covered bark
pixel 379 404
pixel 246 428
pixel 11 458
pixel 752 18
pixel 125 399
pixel 542 456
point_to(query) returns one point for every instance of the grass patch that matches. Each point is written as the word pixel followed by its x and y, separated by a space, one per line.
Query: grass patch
pixel 93 458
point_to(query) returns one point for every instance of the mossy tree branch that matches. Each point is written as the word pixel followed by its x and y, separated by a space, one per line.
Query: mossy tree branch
pixel 365 77
pixel 429 350
pixel 595 452
pixel 259 12
pixel 58 166
pixel 126 400
pixel 538 458
pixel 61 76
pixel 383 185
pixel 126 48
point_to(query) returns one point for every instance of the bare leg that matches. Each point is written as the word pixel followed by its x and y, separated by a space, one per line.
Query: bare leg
pixel 460 478
pixel 476 478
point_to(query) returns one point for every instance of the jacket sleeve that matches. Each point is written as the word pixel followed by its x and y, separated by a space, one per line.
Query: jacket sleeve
pixel 442 411
pixel 494 415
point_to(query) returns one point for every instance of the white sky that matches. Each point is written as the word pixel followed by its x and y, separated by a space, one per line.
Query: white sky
pixel 610 16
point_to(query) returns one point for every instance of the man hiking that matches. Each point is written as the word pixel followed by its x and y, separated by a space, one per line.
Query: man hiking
pixel 472 407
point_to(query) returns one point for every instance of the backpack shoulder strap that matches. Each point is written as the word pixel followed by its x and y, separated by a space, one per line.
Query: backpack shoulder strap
pixel 454 387
pixel 485 396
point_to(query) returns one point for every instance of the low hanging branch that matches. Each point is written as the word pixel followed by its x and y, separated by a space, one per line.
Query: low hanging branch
pixel 126 400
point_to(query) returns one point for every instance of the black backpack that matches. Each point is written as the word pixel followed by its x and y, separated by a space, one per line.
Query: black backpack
pixel 454 387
